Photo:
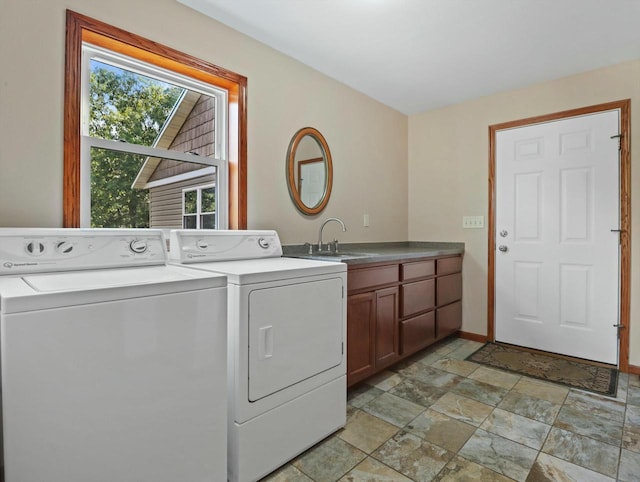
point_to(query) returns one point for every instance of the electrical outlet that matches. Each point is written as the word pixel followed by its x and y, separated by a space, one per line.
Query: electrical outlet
pixel 473 222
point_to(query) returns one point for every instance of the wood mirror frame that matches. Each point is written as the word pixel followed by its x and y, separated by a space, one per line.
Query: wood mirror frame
pixel 292 171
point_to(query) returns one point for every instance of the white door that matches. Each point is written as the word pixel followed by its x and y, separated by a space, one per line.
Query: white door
pixel 312 182
pixel 556 264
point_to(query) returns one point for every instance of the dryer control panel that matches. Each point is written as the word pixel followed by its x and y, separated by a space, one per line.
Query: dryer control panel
pixel 202 245
pixel 34 250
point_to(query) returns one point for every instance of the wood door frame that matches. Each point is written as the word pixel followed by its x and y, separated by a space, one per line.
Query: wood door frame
pixel 300 165
pixel 625 213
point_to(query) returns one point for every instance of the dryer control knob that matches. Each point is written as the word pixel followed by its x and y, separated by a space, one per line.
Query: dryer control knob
pixel 202 244
pixel 64 247
pixel 263 243
pixel 138 246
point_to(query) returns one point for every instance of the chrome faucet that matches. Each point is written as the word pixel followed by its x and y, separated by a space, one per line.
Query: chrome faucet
pixel 344 229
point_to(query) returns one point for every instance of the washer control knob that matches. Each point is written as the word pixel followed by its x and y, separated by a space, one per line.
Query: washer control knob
pixel 202 244
pixel 35 248
pixel 263 243
pixel 138 246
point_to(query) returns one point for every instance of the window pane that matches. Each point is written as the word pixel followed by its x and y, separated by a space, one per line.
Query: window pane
pixel 131 190
pixel 208 204
pixel 128 106
pixel 114 204
pixel 208 221
pixel 135 108
pixel 189 222
pixel 190 202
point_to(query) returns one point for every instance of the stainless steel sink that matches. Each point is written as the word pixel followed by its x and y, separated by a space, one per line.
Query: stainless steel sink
pixel 340 255
pixel 331 256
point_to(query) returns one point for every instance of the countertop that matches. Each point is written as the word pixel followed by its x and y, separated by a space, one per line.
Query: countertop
pixel 362 253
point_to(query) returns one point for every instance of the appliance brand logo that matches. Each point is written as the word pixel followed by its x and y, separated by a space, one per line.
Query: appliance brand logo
pixel 10 265
pixel 196 255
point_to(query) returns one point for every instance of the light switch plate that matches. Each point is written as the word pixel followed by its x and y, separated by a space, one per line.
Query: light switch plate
pixel 473 222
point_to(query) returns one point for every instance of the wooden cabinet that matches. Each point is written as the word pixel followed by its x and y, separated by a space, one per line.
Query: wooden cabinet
pixel 372 324
pixel 387 350
pixel 449 289
pixel 418 332
pixel 449 296
pixel 397 309
pixel 418 296
pixel 449 319
pixel 361 330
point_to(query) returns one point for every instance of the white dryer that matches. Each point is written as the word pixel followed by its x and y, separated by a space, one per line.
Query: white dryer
pixel 113 363
pixel 287 333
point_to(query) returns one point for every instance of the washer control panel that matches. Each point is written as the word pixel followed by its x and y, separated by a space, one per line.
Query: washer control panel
pixel 200 246
pixel 33 250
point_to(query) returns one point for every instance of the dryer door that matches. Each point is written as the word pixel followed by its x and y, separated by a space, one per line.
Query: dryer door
pixel 295 332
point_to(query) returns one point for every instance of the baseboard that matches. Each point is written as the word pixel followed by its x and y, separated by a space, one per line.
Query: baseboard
pixel 473 337
pixel 633 370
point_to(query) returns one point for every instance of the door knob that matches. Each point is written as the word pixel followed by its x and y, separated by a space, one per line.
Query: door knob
pixel 503 248
pixel 504 233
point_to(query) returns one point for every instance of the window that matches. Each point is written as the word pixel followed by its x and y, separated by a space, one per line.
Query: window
pixel 199 207
pixel 143 129
pixel 145 124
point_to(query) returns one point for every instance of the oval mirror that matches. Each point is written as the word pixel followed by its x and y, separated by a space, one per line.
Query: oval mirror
pixel 309 171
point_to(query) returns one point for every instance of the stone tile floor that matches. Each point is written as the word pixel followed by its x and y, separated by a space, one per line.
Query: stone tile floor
pixel 439 417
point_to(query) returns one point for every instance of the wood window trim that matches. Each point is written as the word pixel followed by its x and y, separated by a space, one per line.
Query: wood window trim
pixel 625 214
pixel 80 28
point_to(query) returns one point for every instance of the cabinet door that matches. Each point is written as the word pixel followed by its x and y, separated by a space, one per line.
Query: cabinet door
pixel 387 329
pixel 361 326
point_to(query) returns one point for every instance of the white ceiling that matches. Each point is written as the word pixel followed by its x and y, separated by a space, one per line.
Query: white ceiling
pixel 417 55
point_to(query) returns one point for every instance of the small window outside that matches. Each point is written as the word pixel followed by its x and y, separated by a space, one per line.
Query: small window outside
pixel 199 208
pixel 148 137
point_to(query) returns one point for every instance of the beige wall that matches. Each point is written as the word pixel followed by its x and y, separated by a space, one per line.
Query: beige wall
pixel 368 141
pixel 448 171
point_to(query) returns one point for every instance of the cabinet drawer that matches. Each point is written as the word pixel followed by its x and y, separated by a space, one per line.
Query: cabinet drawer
pixel 448 319
pixel 449 265
pixel 420 269
pixel 417 332
pixel 449 289
pixel 417 297
pixel 358 279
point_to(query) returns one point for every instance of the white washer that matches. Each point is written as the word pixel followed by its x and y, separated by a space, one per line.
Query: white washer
pixel 113 363
pixel 287 332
